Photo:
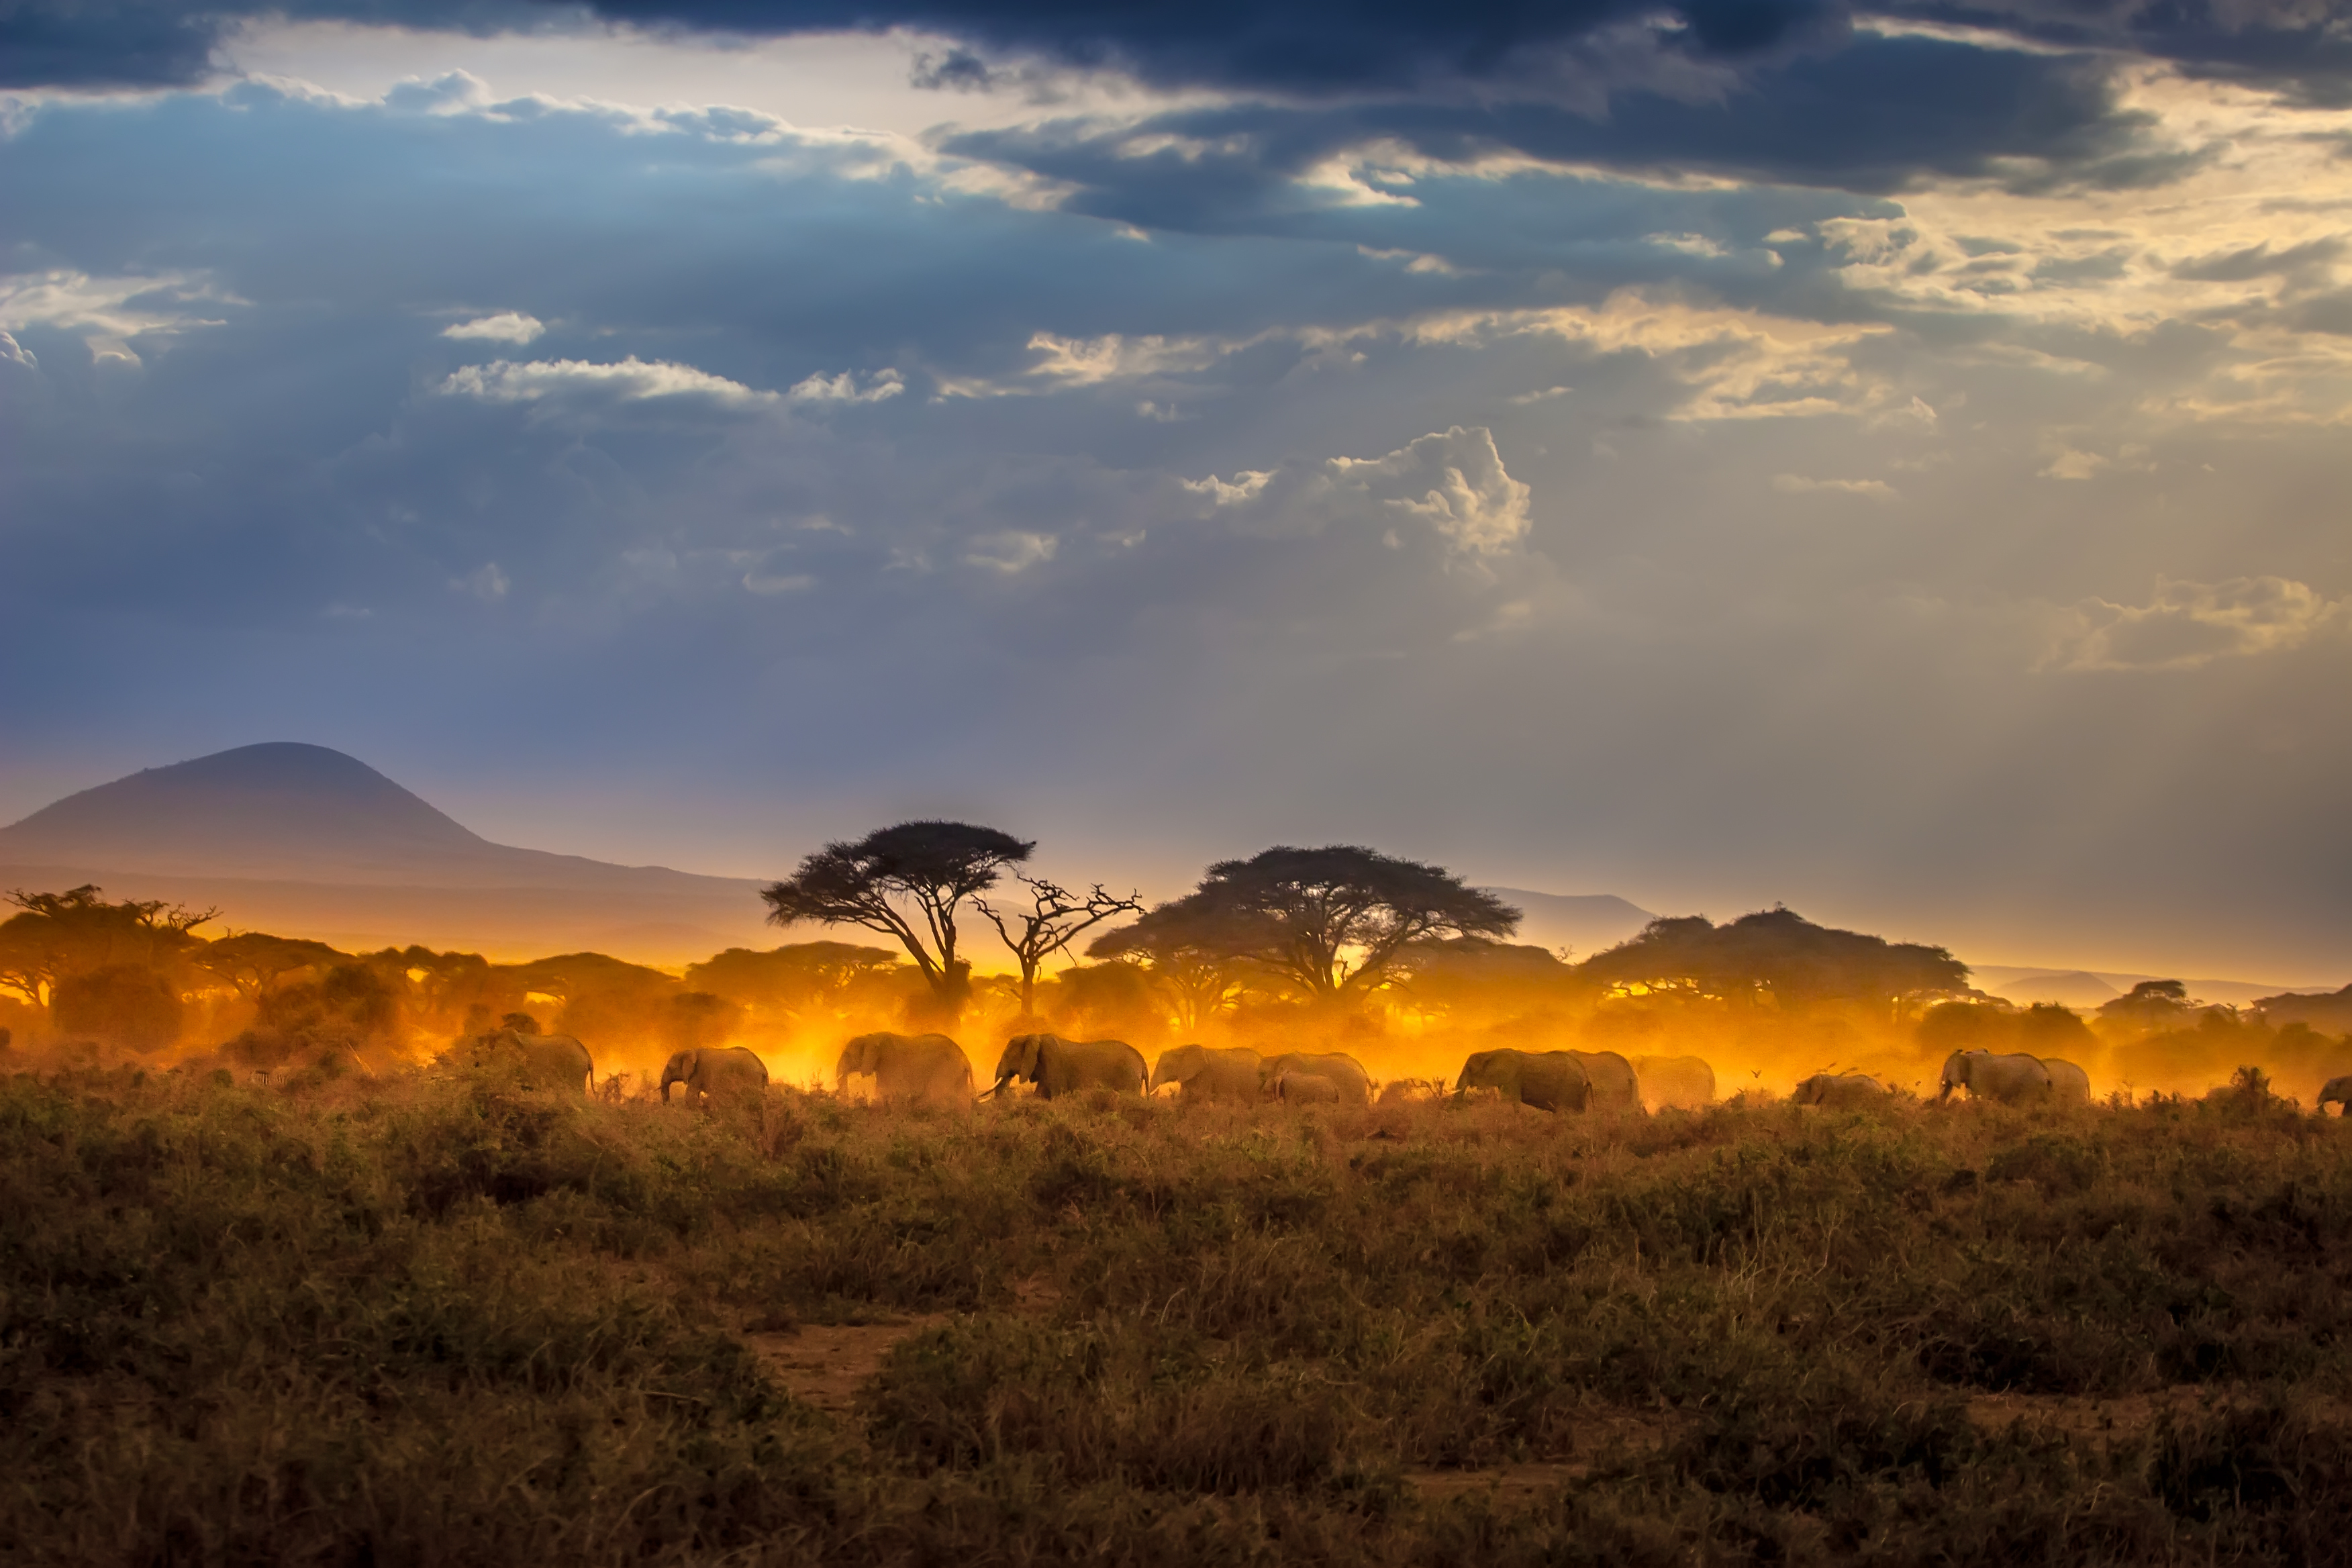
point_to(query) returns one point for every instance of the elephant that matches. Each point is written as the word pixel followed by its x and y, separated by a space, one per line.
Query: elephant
pixel 930 1069
pixel 1841 1091
pixel 1354 1085
pixel 1679 1083
pixel 1059 1066
pixel 538 1061
pixel 1546 1081
pixel 1209 1074
pixel 1614 1085
pixel 2337 1091
pixel 2067 1081
pixel 1294 1087
pixel 714 1072
pixel 1987 1076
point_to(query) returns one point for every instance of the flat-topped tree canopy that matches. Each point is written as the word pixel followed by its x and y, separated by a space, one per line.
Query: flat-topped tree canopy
pixel 1335 921
pixel 935 865
pixel 1774 954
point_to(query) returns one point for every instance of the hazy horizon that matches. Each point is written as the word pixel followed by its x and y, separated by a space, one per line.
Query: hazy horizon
pixel 1540 926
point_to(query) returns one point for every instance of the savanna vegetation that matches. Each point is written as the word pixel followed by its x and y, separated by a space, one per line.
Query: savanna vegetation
pixel 431 1316
pixel 286 1275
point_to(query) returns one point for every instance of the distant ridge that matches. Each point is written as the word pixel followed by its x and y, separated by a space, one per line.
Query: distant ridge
pixel 307 841
pixel 1586 922
pixel 278 807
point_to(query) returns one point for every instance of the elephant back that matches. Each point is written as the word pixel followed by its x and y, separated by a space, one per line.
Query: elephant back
pixel 1558 1081
pixel 2067 1081
pixel 1180 1064
pixel 1231 1072
pixel 1614 1086
pixel 735 1067
pixel 932 1069
pixel 1099 1064
pixel 1347 1075
pixel 1681 1083
pixel 556 1061
pixel 1840 1091
pixel 1498 1070
pixel 1294 1087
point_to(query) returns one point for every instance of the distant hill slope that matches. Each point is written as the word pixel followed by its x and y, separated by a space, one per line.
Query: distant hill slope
pixel 2077 988
pixel 2084 989
pixel 1587 922
pixel 307 841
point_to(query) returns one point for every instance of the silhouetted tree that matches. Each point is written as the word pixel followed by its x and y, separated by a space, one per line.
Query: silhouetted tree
pixel 934 865
pixel 1335 922
pixel 1459 975
pixel 127 1004
pixel 699 1019
pixel 2326 1012
pixel 603 998
pixel 79 931
pixel 2050 1029
pixel 253 961
pixel 1968 1026
pixel 1055 917
pixel 1189 953
pixel 2150 1006
pixel 808 980
pixel 1118 999
pixel 1777 956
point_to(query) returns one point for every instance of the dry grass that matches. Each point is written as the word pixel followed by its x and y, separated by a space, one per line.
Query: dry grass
pixel 440 1320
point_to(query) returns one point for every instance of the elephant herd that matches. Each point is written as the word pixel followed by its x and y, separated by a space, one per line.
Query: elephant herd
pixel 932 1069
pixel 2013 1078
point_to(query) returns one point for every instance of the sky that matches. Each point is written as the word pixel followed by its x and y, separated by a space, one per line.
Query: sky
pixel 1887 460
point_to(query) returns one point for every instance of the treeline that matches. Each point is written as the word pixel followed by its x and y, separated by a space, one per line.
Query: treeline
pixel 88 976
pixel 1397 962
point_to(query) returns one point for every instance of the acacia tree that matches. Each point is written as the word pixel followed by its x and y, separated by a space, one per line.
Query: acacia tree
pixel 1774 958
pixel 61 935
pixel 1335 922
pixel 1054 917
pixel 935 865
pixel 1190 953
pixel 253 961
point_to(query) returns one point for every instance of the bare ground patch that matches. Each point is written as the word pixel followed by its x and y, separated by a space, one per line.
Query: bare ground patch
pixel 825 1365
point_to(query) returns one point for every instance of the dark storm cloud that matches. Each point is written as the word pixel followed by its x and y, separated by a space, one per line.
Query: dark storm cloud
pixel 1299 46
pixel 1290 48
pixel 1877 117
pixel 2298 48
pixel 169 43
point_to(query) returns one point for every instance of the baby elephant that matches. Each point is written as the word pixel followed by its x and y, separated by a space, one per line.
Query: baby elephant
pixel 1293 1087
pixel 708 1073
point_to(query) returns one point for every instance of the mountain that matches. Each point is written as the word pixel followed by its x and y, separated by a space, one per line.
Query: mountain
pixel 1587 922
pixel 2087 988
pixel 307 841
pixel 2078 989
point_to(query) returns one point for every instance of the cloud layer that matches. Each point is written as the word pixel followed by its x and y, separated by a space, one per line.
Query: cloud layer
pixel 1870 461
